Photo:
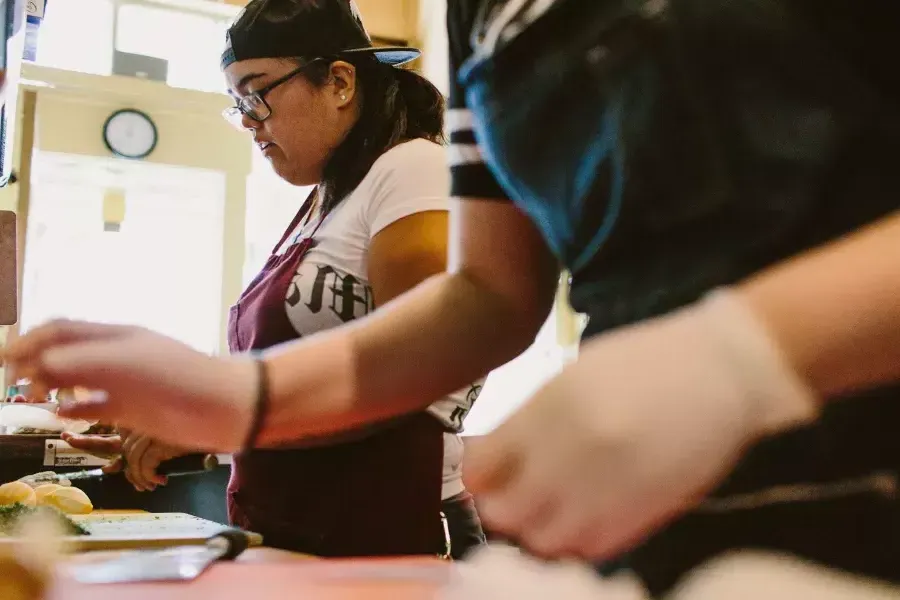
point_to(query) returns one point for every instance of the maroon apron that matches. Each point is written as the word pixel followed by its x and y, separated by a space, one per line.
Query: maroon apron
pixel 376 496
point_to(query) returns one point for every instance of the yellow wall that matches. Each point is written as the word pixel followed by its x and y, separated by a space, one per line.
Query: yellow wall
pixel 390 18
pixel 8 194
pixel 383 18
pixel 192 132
pixel 9 201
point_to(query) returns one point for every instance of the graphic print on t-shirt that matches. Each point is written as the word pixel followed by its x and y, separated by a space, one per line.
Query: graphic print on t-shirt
pixel 343 294
pixel 322 296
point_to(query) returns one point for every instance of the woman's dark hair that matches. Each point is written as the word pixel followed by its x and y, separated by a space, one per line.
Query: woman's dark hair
pixel 397 105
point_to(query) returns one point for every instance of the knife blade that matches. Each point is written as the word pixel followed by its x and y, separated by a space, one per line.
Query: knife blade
pixel 178 563
pixel 189 464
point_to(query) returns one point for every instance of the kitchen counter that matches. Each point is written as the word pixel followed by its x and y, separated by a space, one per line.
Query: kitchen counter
pixel 746 576
pixel 272 574
pixel 275 575
pixel 267 573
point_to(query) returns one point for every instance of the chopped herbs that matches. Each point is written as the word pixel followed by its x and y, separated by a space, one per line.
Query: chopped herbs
pixel 11 516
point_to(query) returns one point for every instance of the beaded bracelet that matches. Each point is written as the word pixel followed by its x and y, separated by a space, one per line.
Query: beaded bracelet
pixel 261 407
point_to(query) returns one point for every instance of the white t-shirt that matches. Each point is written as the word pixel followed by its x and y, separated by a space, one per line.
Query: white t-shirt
pixel 331 286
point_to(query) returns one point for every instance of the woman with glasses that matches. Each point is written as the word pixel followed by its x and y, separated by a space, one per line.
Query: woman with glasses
pixel 327 109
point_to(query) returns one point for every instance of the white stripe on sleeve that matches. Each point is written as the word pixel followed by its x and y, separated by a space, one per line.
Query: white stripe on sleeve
pixel 464 154
pixel 459 119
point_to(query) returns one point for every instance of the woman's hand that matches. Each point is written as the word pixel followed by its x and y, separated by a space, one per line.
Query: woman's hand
pixel 143 456
pixel 139 454
pixel 146 381
pixel 638 430
pixel 109 447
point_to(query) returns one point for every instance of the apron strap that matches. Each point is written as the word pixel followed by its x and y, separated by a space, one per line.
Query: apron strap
pixel 304 210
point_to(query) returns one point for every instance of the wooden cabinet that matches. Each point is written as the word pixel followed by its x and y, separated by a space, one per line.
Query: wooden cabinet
pixel 390 20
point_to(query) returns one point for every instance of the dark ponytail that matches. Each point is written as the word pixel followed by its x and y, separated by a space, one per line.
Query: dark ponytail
pixel 397 105
pixel 423 106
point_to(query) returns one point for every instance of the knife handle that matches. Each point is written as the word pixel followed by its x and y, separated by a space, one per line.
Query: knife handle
pixel 188 464
pixel 229 542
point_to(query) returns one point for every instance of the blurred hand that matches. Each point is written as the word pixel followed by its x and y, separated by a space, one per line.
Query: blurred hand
pixel 756 575
pixel 638 430
pixel 148 382
pixel 502 572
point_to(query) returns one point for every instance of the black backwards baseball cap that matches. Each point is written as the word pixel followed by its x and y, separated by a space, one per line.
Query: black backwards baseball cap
pixel 304 29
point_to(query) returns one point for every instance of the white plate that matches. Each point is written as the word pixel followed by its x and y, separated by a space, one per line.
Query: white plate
pixel 17 415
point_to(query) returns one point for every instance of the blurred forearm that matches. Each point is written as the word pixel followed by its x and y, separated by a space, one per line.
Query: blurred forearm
pixel 836 311
pixel 447 332
pixel 453 332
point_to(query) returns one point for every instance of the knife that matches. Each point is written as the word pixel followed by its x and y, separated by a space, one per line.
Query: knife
pixel 188 464
pixel 178 563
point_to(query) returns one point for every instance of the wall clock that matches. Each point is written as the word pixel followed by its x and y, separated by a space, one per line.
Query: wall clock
pixel 130 133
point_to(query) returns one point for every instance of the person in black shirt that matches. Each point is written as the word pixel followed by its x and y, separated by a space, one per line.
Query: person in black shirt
pixel 719 179
pixel 665 150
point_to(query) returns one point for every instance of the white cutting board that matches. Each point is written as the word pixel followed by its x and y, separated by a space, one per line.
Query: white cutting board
pixel 146 530
pixel 128 531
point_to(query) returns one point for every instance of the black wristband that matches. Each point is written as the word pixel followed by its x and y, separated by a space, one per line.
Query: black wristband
pixel 261 407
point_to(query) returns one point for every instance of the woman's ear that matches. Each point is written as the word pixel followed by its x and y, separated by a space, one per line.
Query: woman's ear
pixel 343 75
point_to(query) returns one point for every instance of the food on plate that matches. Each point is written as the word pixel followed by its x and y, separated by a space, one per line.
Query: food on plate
pixel 42 491
pixel 69 500
pixel 29 419
pixel 17 492
pixel 14 516
pixel 18 501
pixel 30 431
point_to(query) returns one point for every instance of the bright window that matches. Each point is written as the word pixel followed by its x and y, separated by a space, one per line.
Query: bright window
pixel 191 43
pixel 162 269
pixel 77 35
pixel 271 205
pixel 509 386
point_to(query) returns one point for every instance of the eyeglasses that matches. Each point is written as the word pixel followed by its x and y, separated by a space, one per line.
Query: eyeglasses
pixel 254 105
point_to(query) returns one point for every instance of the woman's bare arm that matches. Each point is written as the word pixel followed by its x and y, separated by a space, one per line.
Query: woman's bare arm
pixel 836 311
pixel 448 331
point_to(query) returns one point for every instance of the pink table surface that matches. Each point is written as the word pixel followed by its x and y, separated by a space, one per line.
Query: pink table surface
pixel 266 574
